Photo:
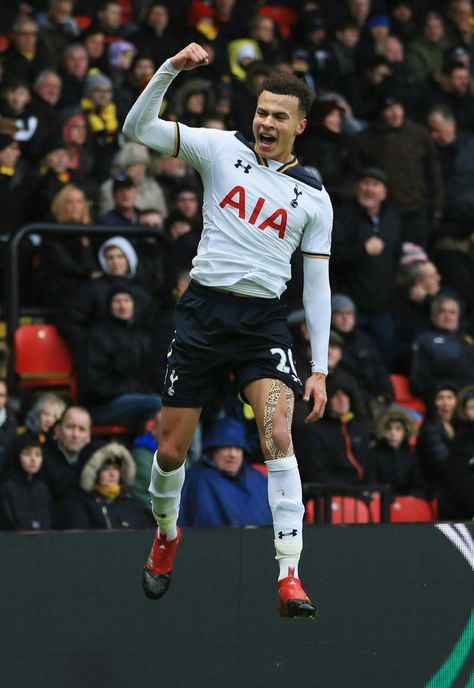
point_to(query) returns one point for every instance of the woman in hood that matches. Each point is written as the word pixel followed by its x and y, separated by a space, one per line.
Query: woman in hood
pixel 103 500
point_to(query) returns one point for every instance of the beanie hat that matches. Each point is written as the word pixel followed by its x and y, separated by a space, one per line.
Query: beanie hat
pixel 120 288
pixel 378 20
pixel 412 253
pixel 340 301
pixel 95 81
pixel 116 49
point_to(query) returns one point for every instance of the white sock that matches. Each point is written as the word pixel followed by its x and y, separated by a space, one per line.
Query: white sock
pixel 286 503
pixel 165 489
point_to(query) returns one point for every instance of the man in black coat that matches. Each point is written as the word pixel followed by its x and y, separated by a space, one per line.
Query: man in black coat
pixel 442 353
pixel 66 453
pixel 123 369
pixel 366 250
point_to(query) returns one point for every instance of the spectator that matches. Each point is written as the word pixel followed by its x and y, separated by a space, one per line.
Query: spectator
pixel 73 72
pixel 333 451
pixel 443 352
pixel 67 450
pixel 395 463
pixel 123 212
pixel 154 36
pixel 419 283
pixel 25 499
pixel 435 438
pixel 8 426
pixel 109 19
pixel 244 99
pixel 414 181
pixel 10 186
pixel 134 160
pixel 376 31
pixel 326 147
pixel 222 489
pixel 360 356
pixel 453 90
pixel 32 125
pixel 93 39
pixel 366 249
pixel 43 415
pixel 461 30
pixel 456 152
pixel 344 47
pixel 103 500
pixel 465 411
pixel 58 27
pixel 123 365
pixel 365 89
pixel 26 56
pixel 403 22
pixel 460 480
pixel 46 96
pixel 67 261
pixel 120 57
pixel 101 112
pixel 88 304
pixel 425 53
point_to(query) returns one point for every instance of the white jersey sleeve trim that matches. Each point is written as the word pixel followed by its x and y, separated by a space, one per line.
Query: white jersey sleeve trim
pixel 317 307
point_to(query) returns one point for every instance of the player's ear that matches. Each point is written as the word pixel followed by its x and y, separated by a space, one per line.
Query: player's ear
pixel 301 126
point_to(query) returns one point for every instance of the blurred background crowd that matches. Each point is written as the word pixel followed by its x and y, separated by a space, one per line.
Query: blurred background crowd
pixel 391 136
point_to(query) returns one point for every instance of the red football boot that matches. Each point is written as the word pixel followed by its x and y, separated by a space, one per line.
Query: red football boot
pixel 293 602
pixel 157 571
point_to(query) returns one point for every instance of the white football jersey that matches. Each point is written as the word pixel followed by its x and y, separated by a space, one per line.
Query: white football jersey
pixel 256 211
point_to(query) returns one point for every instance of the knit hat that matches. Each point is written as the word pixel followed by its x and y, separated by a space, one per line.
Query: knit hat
pixel 126 247
pixel 52 145
pixel 373 173
pixel 378 20
pixel 412 253
pixel 246 51
pixel 95 81
pixel 116 50
pixel 5 141
pixel 340 301
pixel 121 288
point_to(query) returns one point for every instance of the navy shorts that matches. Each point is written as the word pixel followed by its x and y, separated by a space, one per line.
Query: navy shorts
pixel 218 333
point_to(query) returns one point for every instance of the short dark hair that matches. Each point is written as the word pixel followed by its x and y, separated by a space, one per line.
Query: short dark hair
pixel 289 85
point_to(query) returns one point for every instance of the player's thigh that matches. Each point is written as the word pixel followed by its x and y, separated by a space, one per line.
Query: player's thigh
pixel 177 427
pixel 272 402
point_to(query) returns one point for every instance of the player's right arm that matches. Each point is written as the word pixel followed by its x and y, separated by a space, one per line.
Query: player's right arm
pixel 142 123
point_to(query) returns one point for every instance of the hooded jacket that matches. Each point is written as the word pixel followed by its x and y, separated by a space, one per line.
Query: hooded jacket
pixel 87 509
pixel 212 498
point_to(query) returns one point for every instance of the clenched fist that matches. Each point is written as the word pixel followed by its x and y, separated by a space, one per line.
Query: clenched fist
pixel 193 55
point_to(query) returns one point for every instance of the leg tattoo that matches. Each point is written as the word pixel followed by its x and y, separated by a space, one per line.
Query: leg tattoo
pixel 268 416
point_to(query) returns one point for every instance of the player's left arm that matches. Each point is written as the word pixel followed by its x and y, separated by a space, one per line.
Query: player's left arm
pixel 316 249
pixel 317 306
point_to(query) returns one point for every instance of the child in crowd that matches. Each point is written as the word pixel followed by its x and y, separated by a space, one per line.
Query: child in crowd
pixel 394 460
pixel 25 499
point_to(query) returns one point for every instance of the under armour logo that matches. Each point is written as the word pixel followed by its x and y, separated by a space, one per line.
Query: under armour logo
pixel 173 378
pixel 292 533
pixel 294 202
pixel 247 168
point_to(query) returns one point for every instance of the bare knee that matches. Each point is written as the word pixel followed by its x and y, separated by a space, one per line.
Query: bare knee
pixel 171 454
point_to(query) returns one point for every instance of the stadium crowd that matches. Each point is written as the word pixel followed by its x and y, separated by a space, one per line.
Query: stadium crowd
pixel 391 136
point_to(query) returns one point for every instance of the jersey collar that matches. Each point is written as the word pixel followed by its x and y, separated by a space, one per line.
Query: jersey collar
pixel 263 161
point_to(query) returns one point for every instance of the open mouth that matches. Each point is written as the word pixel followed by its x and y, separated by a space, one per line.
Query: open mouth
pixel 266 139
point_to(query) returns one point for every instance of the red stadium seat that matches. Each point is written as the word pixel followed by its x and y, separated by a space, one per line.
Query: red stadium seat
pixel 411 509
pixel 42 358
pixel 403 395
pixel 349 510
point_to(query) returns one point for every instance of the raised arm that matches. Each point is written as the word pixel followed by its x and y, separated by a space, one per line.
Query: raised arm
pixel 142 123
